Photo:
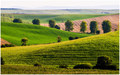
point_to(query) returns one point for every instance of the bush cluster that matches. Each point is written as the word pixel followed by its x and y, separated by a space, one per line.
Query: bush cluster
pixel 83 66
pixel 104 62
pixel 63 66
pixel 17 20
pixel 57 27
pixel 37 64
pixel 98 32
pixel 7 45
pixel 72 38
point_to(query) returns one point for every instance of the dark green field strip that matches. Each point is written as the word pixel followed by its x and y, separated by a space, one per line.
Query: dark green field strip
pixel 48 69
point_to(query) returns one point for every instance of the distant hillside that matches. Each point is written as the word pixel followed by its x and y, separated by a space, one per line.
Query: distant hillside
pixel 14 32
pixel 63 11
pixel 44 18
pixel 10 9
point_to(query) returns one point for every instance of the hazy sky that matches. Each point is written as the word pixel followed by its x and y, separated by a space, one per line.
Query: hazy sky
pixel 60 4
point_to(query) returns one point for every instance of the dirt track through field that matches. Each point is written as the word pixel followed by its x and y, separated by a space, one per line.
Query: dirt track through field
pixel 114 19
pixel 4 41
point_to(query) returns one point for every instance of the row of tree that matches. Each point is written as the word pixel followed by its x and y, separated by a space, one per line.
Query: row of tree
pixel 106 25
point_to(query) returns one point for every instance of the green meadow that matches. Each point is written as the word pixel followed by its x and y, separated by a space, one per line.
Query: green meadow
pixel 83 50
pixel 42 46
pixel 14 32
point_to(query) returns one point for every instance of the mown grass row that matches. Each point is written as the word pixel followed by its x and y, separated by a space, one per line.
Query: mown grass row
pixel 27 69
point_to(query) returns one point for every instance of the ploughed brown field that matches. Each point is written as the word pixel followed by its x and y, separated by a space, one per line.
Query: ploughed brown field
pixel 114 19
pixel 4 41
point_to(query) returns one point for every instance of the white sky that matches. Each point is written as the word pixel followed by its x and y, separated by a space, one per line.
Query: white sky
pixel 60 4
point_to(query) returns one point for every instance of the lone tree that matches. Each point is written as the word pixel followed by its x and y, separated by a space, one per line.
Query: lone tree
pixel 83 26
pixel 24 41
pixel 17 20
pixel 59 39
pixel 52 23
pixel 93 26
pixel 106 26
pixel 36 21
pixel 57 27
pixel 68 25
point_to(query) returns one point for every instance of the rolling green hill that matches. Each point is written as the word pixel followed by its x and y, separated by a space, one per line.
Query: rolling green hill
pixel 44 18
pixel 14 32
pixel 84 50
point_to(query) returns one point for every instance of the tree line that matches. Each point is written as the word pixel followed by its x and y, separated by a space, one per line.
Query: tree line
pixel 106 25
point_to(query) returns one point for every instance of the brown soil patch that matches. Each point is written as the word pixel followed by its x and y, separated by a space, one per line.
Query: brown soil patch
pixel 4 41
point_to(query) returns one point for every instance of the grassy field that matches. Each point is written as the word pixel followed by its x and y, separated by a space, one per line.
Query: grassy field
pixel 44 18
pixel 14 32
pixel 84 50
pixel 25 69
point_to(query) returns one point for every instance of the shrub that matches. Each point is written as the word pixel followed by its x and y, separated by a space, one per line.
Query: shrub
pixel 68 25
pixel 63 66
pixel 71 38
pixel 36 21
pixel 104 62
pixel 37 64
pixel 52 23
pixel 83 66
pixel 2 61
pixel 2 46
pixel 57 27
pixel 112 67
pixel 17 20
pixel 76 37
pixel 59 39
pixel 7 45
pixel 24 41
pixel 115 30
pixel 106 26
pixel 98 31
pixel 109 67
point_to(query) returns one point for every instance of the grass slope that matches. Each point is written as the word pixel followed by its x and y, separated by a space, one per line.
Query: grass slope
pixel 44 18
pixel 14 32
pixel 84 50
pixel 25 69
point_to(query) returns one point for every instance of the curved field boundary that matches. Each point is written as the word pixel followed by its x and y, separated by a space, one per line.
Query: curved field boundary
pixel 114 19
pixel 4 41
